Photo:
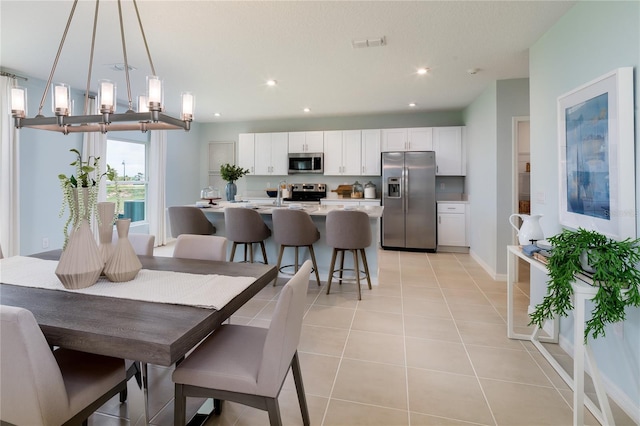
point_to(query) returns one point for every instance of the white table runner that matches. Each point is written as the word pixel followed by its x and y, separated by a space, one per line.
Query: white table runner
pixel 206 291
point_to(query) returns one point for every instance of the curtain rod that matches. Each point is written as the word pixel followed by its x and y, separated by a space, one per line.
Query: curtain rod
pixel 11 75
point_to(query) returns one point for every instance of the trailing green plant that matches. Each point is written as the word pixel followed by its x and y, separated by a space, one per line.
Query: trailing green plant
pixel 231 172
pixel 81 179
pixel 615 274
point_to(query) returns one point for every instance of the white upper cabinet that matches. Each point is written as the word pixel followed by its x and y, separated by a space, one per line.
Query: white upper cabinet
pixel 342 152
pixel 271 154
pixel 448 143
pixel 370 153
pixel 411 139
pixel 306 141
pixel 246 151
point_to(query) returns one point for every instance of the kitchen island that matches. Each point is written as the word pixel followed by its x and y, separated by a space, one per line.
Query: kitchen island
pixel 318 214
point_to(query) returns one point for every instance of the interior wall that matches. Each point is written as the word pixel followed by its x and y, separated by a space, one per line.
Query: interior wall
pixel 229 131
pixel 480 118
pixel 512 101
pixel 592 39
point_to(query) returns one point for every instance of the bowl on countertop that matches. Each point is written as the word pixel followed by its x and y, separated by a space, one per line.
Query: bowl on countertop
pixel 272 193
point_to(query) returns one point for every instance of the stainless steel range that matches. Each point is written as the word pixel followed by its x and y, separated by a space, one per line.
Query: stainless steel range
pixel 307 192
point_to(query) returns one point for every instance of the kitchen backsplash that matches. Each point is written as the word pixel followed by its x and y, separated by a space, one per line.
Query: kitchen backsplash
pixel 255 186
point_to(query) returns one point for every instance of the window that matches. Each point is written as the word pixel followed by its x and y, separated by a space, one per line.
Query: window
pixel 129 159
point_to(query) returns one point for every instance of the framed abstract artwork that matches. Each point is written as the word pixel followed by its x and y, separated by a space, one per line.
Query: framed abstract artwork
pixel 596 155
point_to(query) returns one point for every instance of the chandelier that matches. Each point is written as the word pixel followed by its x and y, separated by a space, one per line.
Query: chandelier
pixel 149 115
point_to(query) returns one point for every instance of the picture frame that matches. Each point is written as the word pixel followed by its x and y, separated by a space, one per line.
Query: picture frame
pixel 596 156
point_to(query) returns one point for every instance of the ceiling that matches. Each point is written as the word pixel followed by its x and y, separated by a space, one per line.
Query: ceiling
pixel 224 51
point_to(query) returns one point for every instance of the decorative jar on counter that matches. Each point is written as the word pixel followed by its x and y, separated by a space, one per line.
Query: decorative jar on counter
pixel 357 191
pixel 370 190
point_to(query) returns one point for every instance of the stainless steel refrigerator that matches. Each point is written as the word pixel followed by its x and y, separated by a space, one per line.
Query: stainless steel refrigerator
pixel 409 200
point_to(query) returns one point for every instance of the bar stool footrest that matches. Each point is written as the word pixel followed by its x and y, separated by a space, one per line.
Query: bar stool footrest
pixel 349 279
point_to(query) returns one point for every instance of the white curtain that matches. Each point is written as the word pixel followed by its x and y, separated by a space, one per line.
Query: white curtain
pixel 9 174
pixel 94 144
pixel 156 210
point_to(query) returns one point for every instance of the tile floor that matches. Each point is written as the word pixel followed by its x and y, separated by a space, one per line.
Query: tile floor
pixel 427 346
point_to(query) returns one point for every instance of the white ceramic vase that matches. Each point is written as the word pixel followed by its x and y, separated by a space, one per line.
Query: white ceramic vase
pixel 80 264
pixel 123 265
pixel 106 212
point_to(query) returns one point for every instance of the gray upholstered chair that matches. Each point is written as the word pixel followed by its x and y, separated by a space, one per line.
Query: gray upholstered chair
pixel 189 220
pixel 1 255
pixel 348 231
pixel 201 247
pixel 41 387
pixel 142 243
pixel 248 364
pixel 294 228
pixel 245 226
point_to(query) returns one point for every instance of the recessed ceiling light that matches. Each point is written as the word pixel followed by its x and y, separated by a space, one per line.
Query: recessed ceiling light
pixel 217 114
pixel 412 104
pixel 423 71
pixel 271 82
pixel 307 110
pixel 473 71
pixel 120 67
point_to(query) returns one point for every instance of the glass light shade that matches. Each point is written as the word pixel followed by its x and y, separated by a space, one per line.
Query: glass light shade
pixel 142 104
pixel 61 99
pixel 155 94
pixel 107 96
pixel 188 104
pixel 19 102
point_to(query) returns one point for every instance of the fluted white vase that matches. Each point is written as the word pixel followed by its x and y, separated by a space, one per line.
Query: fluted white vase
pixel 106 212
pixel 80 264
pixel 123 265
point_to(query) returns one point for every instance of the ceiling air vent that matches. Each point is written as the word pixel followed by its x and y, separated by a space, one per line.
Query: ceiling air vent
pixel 368 42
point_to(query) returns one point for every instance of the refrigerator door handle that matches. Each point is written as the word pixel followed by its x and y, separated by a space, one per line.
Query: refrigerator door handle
pixel 405 172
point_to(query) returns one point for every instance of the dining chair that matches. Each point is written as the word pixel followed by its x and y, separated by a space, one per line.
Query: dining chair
pixel 1 255
pixel 189 220
pixel 44 387
pixel 142 243
pixel 201 247
pixel 246 364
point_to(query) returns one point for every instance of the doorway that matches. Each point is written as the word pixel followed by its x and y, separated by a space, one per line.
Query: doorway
pixel 521 183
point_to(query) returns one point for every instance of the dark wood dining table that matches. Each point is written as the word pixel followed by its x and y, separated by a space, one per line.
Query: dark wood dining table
pixel 155 333
pixel 149 332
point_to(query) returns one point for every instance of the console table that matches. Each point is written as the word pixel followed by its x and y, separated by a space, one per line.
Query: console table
pixel 581 351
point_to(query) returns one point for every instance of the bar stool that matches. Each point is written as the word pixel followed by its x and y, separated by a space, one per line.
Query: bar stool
pixel 294 228
pixel 189 220
pixel 245 226
pixel 348 231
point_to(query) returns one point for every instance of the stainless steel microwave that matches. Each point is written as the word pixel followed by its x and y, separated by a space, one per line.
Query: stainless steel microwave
pixel 305 162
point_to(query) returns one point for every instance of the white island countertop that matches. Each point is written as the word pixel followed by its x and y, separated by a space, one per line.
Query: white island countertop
pixel 314 209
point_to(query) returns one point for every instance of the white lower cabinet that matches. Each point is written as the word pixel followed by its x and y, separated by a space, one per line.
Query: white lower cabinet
pixel 452 225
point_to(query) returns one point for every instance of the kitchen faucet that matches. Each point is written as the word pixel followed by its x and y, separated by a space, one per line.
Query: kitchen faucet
pixel 279 197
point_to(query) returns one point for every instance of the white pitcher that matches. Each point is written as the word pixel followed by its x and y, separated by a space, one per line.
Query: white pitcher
pixel 530 229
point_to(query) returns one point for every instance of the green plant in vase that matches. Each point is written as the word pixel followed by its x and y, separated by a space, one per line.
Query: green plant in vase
pixel 82 179
pixel 615 273
pixel 231 173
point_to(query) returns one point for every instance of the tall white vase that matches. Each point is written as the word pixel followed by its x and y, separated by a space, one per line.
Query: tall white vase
pixel 80 264
pixel 124 264
pixel 106 212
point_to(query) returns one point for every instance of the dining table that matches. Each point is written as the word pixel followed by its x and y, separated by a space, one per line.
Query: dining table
pixel 148 332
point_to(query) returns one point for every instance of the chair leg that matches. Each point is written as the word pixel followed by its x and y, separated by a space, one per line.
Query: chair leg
pixel 342 252
pixel 331 269
pixel 357 270
pixel 315 264
pixel 274 411
pixel 179 409
pixel 245 252
pixel 366 267
pixel 278 265
pixel 264 253
pixel 233 251
pixel 250 251
pixel 295 263
pixel 302 399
